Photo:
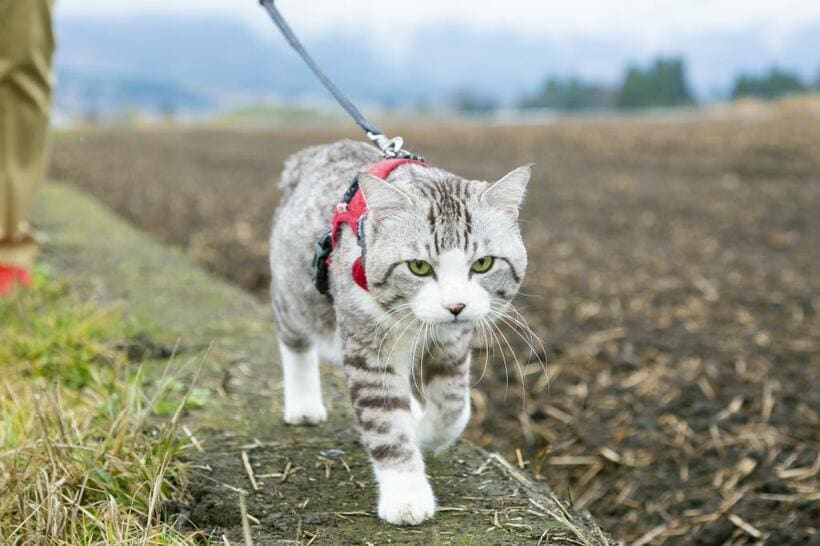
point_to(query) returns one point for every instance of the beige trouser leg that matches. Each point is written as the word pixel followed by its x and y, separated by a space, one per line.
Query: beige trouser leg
pixel 26 47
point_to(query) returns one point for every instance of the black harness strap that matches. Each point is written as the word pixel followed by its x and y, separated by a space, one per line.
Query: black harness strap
pixel 324 247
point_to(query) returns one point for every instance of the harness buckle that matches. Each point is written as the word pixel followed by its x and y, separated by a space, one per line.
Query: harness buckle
pixel 318 266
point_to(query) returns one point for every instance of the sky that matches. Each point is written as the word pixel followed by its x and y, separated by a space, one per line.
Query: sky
pixel 647 22
pixel 503 48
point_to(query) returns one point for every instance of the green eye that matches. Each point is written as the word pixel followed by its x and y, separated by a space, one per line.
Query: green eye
pixel 482 265
pixel 420 267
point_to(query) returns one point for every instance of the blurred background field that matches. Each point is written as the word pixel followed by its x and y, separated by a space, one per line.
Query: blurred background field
pixel 672 221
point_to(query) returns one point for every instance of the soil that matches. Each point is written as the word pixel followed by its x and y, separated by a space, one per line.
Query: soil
pixel 674 279
pixel 297 485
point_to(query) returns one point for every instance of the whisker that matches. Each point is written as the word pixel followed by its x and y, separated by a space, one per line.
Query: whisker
pixel 434 338
pixel 384 390
pixel 429 332
pixel 387 333
pixel 523 319
pixel 481 323
pixel 529 295
pixel 518 365
pixel 514 324
pixel 390 313
pixel 413 358
pixel 503 358
pixel 532 350
pixel 519 321
pixel 393 348
pixel 529 339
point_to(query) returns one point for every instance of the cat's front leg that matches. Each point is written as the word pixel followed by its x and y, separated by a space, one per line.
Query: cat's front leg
pixel 446 390
pixel 382 400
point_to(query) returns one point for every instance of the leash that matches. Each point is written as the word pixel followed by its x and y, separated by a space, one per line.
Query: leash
pixel 390 147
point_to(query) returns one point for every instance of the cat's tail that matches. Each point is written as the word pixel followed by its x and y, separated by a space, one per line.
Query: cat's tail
pixel 294 168
pixel 291 172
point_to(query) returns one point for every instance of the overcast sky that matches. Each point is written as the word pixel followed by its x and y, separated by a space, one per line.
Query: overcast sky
pixel 646 22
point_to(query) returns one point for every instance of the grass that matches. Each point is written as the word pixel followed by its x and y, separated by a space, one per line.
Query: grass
pixel 84 459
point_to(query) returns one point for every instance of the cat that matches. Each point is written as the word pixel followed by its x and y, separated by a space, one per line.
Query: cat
pixel 444 256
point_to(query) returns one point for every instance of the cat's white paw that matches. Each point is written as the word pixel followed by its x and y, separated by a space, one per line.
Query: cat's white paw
pixel 405 498
pixel 303 393
pixel 306 414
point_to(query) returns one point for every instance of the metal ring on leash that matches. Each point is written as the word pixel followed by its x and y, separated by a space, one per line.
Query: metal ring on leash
pixel 391 147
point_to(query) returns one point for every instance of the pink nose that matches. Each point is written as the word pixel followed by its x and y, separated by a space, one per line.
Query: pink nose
pixel 455 308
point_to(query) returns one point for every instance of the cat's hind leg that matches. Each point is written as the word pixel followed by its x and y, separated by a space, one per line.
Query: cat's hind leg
pixel 299 356
pixel 303 391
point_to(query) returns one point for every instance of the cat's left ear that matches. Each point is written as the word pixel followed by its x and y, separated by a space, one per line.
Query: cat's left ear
pixel 508 192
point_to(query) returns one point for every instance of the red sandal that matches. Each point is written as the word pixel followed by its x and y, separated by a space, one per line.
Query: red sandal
pixel 12 276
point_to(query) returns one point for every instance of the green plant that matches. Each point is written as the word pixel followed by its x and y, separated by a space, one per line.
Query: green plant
pixel 82 461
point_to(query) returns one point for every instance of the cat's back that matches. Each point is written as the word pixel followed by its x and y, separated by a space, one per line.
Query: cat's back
pixel 319 169
pixel 313 181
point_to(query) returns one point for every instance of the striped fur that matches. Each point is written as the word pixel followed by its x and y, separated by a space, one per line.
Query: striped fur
pixel 405 354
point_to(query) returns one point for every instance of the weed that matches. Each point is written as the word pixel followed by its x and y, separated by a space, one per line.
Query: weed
pixel 82 461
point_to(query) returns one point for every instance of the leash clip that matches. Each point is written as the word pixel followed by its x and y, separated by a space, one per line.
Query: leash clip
pixel 391 147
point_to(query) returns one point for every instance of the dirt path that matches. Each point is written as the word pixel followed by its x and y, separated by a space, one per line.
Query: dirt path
pixel 675 278
pixel 307 485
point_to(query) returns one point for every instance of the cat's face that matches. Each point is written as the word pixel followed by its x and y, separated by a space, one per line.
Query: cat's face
pixel 446 249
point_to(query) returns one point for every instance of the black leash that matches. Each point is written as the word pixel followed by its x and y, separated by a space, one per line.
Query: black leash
pixel 390 147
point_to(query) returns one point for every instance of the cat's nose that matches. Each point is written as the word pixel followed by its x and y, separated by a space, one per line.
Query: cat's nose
pixel 455 308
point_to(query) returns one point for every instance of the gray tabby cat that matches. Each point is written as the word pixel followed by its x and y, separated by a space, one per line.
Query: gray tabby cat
pixel 444 257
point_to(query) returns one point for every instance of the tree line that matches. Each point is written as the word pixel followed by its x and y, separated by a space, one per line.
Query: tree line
pixel 660 84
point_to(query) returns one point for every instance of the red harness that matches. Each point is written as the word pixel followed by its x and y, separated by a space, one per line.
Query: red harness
pixel 351 210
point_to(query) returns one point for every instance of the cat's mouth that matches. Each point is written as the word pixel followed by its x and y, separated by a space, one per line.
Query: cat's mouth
pixel 456 323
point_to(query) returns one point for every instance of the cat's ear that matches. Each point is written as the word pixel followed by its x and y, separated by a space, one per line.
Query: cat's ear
pixel 380 196
pixel 508 192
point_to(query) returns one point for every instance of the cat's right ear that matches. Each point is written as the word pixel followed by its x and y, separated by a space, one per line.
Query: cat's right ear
pixel 508 192
pixel 380 196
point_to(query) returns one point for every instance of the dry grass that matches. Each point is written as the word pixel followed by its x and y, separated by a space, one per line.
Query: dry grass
pixel 81 459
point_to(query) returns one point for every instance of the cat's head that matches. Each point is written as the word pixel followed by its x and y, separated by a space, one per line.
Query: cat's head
pixel 447 249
